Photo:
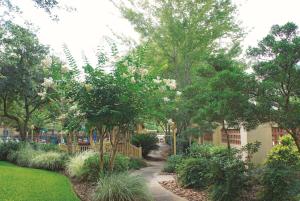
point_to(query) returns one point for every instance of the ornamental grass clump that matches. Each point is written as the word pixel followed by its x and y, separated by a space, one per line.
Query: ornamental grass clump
pixel 122 187
pixel 75 165
pixel 49 161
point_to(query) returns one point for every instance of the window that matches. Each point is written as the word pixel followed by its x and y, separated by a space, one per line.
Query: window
pixel 234 136
pixel 277 133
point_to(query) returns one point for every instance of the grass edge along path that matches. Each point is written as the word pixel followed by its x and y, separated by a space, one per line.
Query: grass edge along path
pixel 27 184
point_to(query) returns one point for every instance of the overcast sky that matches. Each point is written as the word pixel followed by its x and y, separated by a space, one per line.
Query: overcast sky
pixel 83 30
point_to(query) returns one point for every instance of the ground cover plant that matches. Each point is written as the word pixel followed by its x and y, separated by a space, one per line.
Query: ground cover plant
pixel 26 184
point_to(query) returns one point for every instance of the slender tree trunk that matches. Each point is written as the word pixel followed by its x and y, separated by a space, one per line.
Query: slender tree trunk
pixel 296 136
pixel 69 142
pixel 190 140
pixel 101 147
pixel 114 144
pixel 227 135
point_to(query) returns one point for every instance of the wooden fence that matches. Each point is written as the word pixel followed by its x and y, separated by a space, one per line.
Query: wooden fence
pixel 124 148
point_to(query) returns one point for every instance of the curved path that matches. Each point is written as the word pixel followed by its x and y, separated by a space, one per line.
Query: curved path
pixel 153 176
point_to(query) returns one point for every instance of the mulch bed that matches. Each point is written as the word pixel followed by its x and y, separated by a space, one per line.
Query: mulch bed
pixel 189 194
pixel 84 190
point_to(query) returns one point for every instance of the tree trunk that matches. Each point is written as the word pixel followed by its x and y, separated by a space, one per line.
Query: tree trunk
pixel 296 137
pixel 190 140
pixel 114 144
pixel 69 142
pixel 101 147
pixel 227 136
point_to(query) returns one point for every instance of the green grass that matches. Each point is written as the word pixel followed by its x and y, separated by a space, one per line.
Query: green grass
pixel 26 184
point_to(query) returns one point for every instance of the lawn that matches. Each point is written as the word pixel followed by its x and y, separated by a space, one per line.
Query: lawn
pixel 26 184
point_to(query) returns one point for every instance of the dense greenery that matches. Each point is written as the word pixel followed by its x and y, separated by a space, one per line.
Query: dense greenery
pixel 277 66
pixel 17 183
pixel 25 155
pixel 148 142
pixel 281 175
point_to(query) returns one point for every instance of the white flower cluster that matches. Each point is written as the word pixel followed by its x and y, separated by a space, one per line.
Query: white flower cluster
pixel 170 83
pixel 65 69
pixel 157 80
pixel 166 99
pixel 42 94
pixel 47 62
pixel 48 82
pixel 132 70
pixel 178 93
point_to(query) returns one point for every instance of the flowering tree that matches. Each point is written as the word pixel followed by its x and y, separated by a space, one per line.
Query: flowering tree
pixel 24 82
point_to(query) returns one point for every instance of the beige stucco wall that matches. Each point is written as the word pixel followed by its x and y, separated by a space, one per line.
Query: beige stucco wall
pixel 263 134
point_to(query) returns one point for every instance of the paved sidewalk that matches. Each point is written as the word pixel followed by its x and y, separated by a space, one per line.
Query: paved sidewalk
pixel 152 176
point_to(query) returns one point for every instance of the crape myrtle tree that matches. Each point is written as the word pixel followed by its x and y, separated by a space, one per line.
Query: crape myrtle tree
pixel 114 102
pixel 180 36
pixel 24 82
pixel 226 98
pixel 276 67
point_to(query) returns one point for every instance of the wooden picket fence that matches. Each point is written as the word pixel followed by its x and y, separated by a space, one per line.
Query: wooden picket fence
pixel 126 149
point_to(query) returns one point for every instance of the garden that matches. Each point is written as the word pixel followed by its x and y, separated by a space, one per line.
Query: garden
pixel 91 129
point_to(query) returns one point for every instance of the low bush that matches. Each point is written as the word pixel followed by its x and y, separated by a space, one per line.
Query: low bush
pixel 206 150
pixel 85 166
pixel 45 147
pixel 6 147
pixel 137 163
pixel 228 176
pixel 23 156
pixel 172 162
pixel 194 173
pixel 49 161
pixel 122 187
pixel 26 156
pixel 281 178
pixel 148 142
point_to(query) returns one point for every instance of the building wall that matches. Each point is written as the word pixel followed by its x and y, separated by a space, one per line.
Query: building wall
pixel 263 134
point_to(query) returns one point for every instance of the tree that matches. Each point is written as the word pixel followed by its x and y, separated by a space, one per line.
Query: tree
pixel 276 67
pixel 24 84
pixel 179 37
pixel 226 98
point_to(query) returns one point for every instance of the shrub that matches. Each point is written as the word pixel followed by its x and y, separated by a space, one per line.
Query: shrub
pixel 117 187
pixel 6 147
pixel 148 142
pixel 85 166
pixel 195 173
pixel 228 176
pixel 206 150
pixel 172 162
pixel 137 163
pixel 75 165
pixel 49 161
pixel 281 176
pixel 23 156
pixel 45 147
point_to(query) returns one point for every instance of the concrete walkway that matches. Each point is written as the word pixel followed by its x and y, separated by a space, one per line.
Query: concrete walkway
pixel 153 177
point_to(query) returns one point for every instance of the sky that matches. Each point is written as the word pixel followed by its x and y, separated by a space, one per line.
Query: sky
pixel 84 30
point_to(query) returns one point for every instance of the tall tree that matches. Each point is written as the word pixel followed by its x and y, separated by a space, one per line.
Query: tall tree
pixel 276 66
pixel 23 84
pixel 225 99
pixel 180 36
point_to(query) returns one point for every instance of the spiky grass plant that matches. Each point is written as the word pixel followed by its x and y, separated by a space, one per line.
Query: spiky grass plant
pixel 122 187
